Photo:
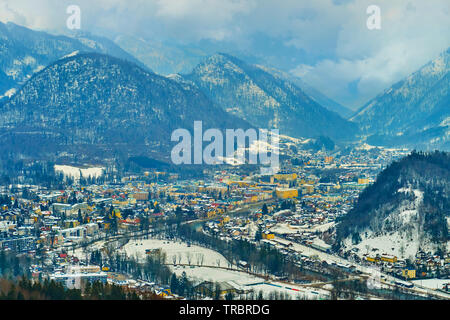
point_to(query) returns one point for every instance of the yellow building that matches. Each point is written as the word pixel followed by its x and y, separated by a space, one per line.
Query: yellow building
pixel 328 159
pixel 363 181
pixel 371 259
pixel 165 293
pixel 239 183
pixel 268 235
pixel 226 219
pixel 409 273
pixel 115 212
pixel 285 176
pixel 389 258
pixel 210 213
pixel 286 193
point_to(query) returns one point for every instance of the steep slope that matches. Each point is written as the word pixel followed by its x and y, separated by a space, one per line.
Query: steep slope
pixel 313 93
pixel 266 100
pixel 93 102
pixel 24 52
pixel 407 208
pixel 414 111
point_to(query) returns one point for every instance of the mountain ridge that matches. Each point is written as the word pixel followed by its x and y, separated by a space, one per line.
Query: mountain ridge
pixel 104 102
pixel 413 107
pixel 407 206
pixel 25 51
pixel 266 100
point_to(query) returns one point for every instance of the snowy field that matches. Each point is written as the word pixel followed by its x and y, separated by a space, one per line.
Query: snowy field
pixel 431 283
pixel 284 228
pixel 309 252
pixel 199 274
pixel 179 250
pixel 389 244
pixel 74 172
pixel 208 272
pixel 248 282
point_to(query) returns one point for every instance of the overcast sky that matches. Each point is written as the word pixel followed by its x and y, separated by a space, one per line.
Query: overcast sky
pixel 326 42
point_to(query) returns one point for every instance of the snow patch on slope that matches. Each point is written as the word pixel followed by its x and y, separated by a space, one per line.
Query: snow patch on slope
pixel 407 238
pixel 9 93
pixel 73 54
pixel 75 172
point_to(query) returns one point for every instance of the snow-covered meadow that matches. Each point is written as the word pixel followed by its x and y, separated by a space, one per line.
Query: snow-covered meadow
pixel 74 172
pixel 177 250
pixel 209 271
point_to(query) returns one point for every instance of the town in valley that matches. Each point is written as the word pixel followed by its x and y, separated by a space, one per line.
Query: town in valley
pixel 161 235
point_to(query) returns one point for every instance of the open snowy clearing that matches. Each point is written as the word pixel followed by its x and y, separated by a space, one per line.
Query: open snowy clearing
pixel 74 172
pixel 209 270
pixel 179 250
pixel 217 275
pixel 247 282
pixel 389 244
pixel 431 283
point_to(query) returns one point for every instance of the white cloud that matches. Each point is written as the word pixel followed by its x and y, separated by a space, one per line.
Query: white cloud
pixel 209 10
pixel 197 19
pixel 367 62
pixel 372 74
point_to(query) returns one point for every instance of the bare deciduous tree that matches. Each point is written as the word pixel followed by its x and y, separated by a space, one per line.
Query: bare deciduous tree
pixel 189 257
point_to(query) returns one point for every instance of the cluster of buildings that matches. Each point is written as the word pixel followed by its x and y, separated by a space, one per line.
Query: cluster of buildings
pixel 425 265
pixel 300 203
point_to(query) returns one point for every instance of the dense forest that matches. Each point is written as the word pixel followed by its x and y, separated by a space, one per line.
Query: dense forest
pixel 25 289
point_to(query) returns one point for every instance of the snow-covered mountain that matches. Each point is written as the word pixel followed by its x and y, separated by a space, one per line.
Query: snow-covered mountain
pixel 414 111
pixel 24 52
pixel 166 58
pixel 94 102
pixel 266 100
pixel 406 210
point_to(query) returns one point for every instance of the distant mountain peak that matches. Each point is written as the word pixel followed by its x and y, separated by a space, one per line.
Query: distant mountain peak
pixel 95 104
pixel 411 111
pixel 266 100
pixel 24 52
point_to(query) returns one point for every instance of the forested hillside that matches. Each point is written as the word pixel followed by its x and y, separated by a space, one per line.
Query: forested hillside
pixel 410 200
